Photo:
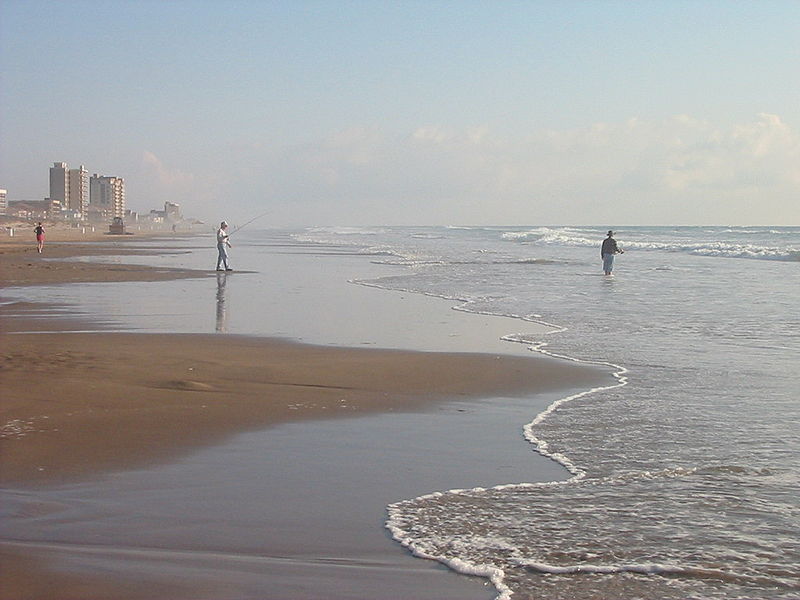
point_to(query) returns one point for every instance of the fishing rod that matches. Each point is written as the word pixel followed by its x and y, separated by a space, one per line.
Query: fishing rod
pixel 248 223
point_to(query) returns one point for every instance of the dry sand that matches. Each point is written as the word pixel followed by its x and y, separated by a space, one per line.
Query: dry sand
pixel 75 405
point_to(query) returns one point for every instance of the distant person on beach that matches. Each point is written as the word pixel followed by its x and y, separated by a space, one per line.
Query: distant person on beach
pixel 223 244
pixel 607 252
pixel 39 231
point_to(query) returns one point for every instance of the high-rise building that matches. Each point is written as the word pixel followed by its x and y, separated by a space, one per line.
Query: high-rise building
pixel 70 187
pixel 107 196
pixel 79 190
pixel 172 211
pixel 59 183
pixel 3 201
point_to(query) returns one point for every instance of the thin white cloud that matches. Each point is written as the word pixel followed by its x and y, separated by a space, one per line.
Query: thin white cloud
pixel 163 175
pixel 434 134
pixel 680 169
pixel 197 193
pixel 754 157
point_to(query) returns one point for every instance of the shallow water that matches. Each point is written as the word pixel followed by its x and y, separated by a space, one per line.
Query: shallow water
pixel 295 511
pixel 281 288
pixel 685 478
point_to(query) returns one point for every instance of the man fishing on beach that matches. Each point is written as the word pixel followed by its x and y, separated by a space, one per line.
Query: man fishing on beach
pixel 607 252
pixel 223 243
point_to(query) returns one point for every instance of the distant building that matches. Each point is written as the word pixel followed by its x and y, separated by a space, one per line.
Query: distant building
pixel 79 190
pixel 3 201
pixel 56 208
pixel 70 187
pixel 172 211
pixel 106 197
pixel 59 182
pixel 30 209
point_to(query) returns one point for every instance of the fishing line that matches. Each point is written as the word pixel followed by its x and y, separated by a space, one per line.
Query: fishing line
pixel 240 227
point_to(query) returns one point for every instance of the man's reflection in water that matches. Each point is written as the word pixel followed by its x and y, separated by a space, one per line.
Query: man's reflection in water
pixel 222 317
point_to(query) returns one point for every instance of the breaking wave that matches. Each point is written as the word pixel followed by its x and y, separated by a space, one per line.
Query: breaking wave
pixel 709 247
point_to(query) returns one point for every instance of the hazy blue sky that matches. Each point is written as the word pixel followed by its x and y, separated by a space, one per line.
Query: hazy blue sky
pixel 410 112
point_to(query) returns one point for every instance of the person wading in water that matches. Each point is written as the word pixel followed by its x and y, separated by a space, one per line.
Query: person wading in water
pixel 607 252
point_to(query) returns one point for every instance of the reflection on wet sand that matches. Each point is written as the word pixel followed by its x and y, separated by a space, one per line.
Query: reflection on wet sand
pixel 222 317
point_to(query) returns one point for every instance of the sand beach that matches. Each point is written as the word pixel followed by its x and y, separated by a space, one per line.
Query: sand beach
pixel 83 409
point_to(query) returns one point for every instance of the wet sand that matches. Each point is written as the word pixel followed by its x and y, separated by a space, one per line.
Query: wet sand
pixel 77 406
pixel 21 264
pixel 86 402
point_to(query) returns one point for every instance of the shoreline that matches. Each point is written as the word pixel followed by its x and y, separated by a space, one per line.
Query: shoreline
pixel 160 376
pixel 159 395
pixel 137 400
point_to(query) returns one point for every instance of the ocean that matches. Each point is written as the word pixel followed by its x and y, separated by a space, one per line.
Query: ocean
pixel 680 477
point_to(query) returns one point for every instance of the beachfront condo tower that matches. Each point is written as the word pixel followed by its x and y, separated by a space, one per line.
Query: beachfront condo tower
pixel 106 196
pixel 70 187
pixel 79 190
pixel 59 183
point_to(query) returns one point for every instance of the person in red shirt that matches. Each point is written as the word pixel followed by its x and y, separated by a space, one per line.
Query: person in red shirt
pixel 39 231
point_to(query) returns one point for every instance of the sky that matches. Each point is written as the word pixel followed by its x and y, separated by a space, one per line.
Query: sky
pixel 378 112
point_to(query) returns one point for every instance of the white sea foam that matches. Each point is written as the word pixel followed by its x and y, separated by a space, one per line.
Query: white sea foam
pixel 337 231
pixel 396 518
pixel 708 247
pixel 722 249
pixel 659 569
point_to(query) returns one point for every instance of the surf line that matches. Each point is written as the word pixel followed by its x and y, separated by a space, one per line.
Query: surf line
pixel 396 523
